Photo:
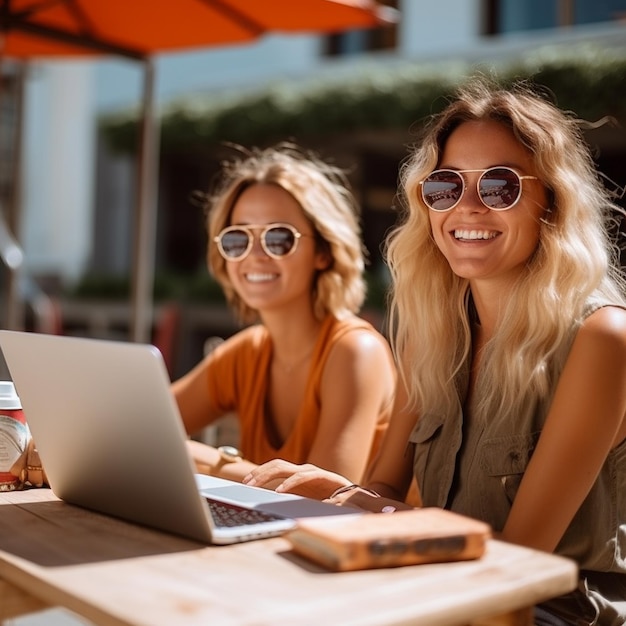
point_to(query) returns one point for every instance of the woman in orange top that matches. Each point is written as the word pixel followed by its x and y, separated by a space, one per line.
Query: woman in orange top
pixel 309 380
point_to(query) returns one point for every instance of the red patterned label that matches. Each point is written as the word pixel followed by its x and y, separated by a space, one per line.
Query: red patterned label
pixel 13 440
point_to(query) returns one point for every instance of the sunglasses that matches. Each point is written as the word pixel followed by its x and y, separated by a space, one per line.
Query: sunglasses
pixel 277 240
pixel 499 188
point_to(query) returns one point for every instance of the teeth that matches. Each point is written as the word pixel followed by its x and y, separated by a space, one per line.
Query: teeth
pixel 260 278
pixel 474 234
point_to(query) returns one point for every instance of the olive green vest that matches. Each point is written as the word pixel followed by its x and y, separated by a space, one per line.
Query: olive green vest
pixel 476 471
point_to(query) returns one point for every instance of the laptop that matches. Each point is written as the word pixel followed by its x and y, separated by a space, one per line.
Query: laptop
pixel 111 438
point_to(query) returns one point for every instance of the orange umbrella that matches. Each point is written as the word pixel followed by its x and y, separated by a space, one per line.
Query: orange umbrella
pixel 138 29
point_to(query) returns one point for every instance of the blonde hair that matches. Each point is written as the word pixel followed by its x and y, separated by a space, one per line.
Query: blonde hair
pixel 574 266
pixel 323 192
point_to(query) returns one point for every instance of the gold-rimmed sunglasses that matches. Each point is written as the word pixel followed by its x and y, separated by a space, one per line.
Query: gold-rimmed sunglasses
pixel 278 240
pixel 499 188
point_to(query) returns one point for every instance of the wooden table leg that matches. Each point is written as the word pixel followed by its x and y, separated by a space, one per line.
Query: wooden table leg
pixel 15 602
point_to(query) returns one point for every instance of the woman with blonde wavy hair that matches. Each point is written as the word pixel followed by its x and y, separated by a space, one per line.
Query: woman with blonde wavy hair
pixel 509 329
pixel 308 379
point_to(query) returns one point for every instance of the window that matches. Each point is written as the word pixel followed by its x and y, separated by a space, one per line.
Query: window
pixel 360 41
pixel 507 16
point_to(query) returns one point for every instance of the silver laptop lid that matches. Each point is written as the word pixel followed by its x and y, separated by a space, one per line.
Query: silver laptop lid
pixel 108 430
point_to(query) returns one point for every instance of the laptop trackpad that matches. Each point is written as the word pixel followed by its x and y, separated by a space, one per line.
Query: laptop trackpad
pixel 285 504
pixel 239 493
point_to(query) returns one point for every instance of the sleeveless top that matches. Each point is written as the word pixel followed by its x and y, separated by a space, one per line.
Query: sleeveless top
pixel 477 471
pixel 240 383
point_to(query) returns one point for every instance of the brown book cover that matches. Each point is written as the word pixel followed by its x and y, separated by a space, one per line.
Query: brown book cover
pixel 426 535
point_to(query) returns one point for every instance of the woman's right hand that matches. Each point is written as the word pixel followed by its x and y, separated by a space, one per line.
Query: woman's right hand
pixel 304 480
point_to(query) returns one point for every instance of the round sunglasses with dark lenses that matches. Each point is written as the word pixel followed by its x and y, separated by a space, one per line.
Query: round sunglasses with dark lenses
pixel 278 240
pixel 499 188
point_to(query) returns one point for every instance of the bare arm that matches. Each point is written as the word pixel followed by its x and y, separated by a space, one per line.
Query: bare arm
pixel 208 460
pixel 192 397
pixel 357 386
pixel 585 421
pixel 391 472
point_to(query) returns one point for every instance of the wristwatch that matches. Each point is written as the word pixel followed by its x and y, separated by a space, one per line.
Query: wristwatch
pixel 228 454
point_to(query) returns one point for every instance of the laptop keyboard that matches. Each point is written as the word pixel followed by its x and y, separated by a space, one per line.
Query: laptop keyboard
pixel 229 515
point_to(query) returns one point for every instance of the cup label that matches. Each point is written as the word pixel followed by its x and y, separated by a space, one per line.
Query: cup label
pixel 14 436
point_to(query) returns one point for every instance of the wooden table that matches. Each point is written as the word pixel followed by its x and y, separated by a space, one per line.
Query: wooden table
pixel 111 572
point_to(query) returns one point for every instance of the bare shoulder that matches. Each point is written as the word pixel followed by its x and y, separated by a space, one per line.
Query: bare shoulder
pixel 605 326
pixel 362 354
pixel 361 343
pixel 600 344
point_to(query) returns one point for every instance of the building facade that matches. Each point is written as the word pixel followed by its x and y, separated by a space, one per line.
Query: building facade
pixel 77 196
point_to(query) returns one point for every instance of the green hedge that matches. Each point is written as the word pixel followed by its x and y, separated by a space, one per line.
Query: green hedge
pixel 382 96
pixel 198 288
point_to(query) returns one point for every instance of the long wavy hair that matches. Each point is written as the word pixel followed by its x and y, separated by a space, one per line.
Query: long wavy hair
pixel 574 265
pixel 323 192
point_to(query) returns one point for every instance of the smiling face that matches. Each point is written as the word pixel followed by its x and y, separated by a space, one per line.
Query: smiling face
pixel 478 243
pixel 268 284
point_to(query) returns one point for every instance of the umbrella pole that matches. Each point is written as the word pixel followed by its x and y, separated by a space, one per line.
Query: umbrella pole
pixel 145 216
pixel 11 253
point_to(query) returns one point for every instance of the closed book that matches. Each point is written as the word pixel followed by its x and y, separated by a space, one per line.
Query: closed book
pixel 425 535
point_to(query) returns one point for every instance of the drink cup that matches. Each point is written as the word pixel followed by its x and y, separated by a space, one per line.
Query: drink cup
pixel 14 435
